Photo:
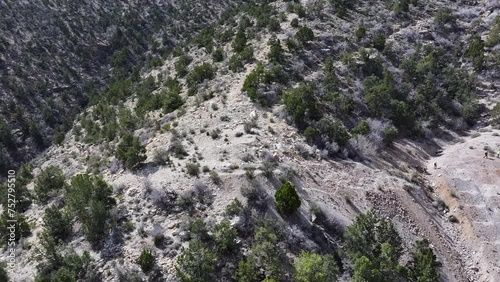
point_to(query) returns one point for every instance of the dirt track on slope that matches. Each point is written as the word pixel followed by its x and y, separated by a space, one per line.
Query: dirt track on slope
pixel 469 184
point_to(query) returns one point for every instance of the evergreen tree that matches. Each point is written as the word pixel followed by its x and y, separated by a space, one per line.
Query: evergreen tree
pixel 89 198
pixel 287 199
pixel 424 266
pixel 196 263
pixel 315 268
pixel 130 151
pixel 276 52
pixel 50 180
pixel 367 234
pixel 240 40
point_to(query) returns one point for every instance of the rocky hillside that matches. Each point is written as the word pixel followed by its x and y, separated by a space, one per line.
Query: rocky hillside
pixel 55 56
pixel 288 141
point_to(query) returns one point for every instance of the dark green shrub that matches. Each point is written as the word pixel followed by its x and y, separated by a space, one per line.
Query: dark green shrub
pixel 235 63
pixel 444 16
pixel 234 207
pixel 171 101
pixel 294 22
pixel 5 163
pixel 311 133
pixel 360 32
pixel 379 42
pixel 22 228
pixel 24 175
pixel 304 35
pixel 200 73
pixel 225 236
pixel 315 268
pixel 401 6
pixel 335 131
pixel 494 35
pixel 383 268
pixel 390 134
pixel 378 94
pixel 266 253
pixel 130 151
pixel 89 199
pixel 193 169
pixel 403 116
pixel 247 271
pixel 247 54
pixel 23 197
pixel 146 260
pixel 274 25
pixel 57 223
pixel 364 238
pixel 341 6
pixel 240 41
pixel 276 52
pixel 301 102
pixel 3 273
pixel 127 120
pixel 198 230
pixel 476 52
pixel 205 39
pixel 181 65
pixel 59 137
pixel 49 181
pixel 252 82
pixel 330 79
pixel 218 55
pixel 424 265
pixel 196 263
pixel 35 134
pixel 301 12
pixel 177 51
pixel 287 199
pixel 65 266
pixel 245 22
pixel 362 128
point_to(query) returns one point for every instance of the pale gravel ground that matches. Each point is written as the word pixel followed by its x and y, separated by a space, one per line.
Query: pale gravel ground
pixel 470 185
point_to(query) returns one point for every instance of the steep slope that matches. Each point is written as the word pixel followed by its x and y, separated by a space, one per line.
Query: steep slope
pixel 340 114
pixel 57 55
pixel 468 183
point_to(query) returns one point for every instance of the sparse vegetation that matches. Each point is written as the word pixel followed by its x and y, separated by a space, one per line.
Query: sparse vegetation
pixel 146 260
pixel 352 84
pixel 192 169
pixel 214 176
pixel 161 157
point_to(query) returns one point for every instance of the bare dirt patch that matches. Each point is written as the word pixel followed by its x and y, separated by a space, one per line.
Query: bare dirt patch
pixel 468 183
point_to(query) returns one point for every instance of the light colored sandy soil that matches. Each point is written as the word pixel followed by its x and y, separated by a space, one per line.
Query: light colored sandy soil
pixel 470 185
